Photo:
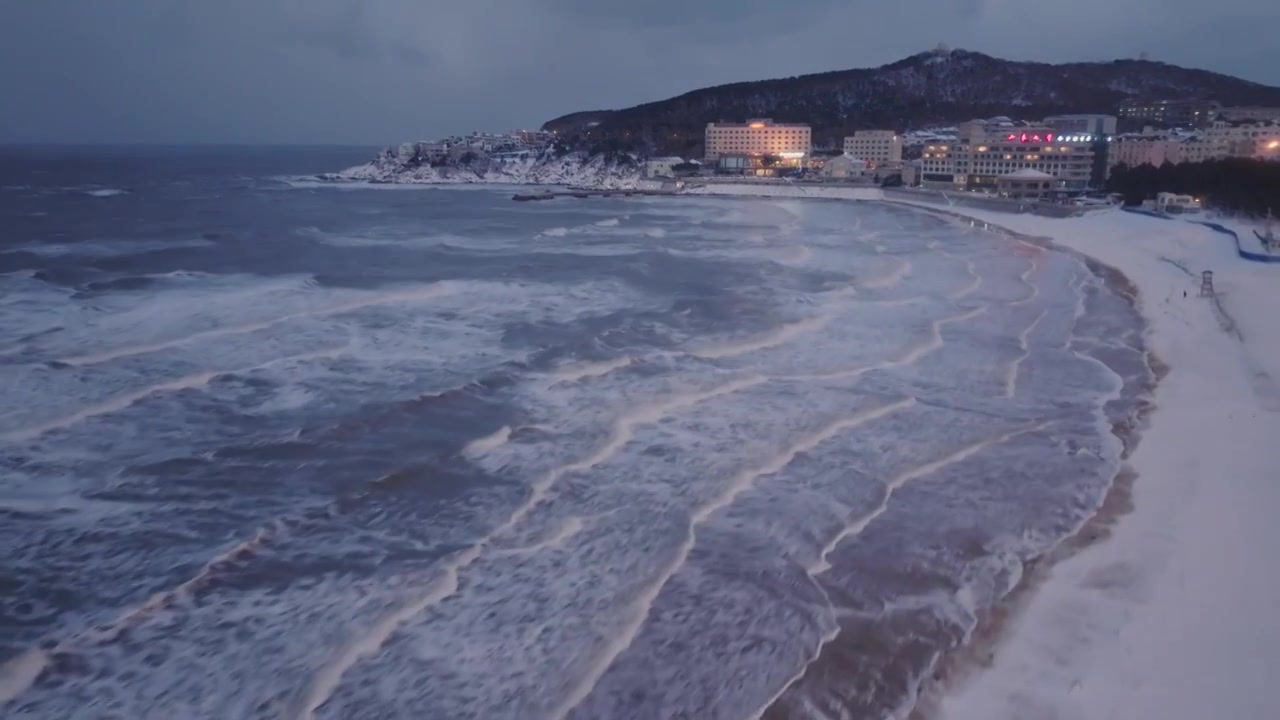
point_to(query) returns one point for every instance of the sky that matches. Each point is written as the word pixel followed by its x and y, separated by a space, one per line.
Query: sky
pixel 385 71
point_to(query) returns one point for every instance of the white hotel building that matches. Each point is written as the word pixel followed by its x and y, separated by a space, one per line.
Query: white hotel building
pixel 757 147
pixel 878 147
pixel 980 155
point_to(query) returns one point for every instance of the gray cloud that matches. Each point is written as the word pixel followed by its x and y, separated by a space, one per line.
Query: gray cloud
pixel 380 71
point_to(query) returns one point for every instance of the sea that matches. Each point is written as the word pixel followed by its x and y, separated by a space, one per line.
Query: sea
pixel 272 447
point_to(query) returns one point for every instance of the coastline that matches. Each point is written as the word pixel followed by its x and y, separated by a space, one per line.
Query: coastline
pixel 1101 626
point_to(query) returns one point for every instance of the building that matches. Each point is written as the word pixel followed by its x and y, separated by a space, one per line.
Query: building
pixel 1178 113
pixel 844 166
pixel 1249 112
pixel 1244 139
pixel 1026 184
pixel 1082 124
pixel 758 147
pixel 661 166
pixel 879 147
pixel 983 152
pixel 1145 148
pixel 1175 204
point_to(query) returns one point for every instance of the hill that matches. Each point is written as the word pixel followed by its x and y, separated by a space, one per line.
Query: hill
pixel 933 87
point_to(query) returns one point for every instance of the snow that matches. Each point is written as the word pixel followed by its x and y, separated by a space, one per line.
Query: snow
pixel 1177 614
pixel 572 169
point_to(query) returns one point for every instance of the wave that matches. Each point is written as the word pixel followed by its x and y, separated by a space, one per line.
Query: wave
pixel 908 356
pixel 106 192
pixel 611 222
pixel 325 682
pixel 21 673
pixel 106 248
pixel 643 604
pixel 554 232
pixel 413 295
pixel 891 279
pixel 121 402
pixel 972 286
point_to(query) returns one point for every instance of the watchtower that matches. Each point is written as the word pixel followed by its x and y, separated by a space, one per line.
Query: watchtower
pixel 1206 283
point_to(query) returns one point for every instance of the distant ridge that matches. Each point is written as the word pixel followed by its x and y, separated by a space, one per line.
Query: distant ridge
pixel 938 86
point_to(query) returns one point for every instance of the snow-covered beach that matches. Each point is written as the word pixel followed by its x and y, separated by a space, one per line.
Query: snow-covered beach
pixel 1174 615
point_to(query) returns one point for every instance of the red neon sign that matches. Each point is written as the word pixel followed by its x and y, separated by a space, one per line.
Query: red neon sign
pixel 1012 137
pixel 1048 137
pixel 1023 138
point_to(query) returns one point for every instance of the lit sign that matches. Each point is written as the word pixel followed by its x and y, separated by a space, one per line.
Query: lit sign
pixel 1011 137
pixel 1048 137
pixel 791 155
pixel 1023 138
pixel 756 125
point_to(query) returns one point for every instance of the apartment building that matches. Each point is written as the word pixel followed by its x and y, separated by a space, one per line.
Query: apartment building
pixel 758 146
pixel 982 153
pixel 1244 139
pixel 878 147
pixel 1180 113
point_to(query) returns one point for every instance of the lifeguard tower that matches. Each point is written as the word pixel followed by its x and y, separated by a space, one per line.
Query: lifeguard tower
pixel 1206 283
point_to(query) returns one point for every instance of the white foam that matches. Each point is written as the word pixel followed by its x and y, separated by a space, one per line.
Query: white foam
pixel 1011 376
pixel 611 222
pixel 488 442
pixel 21 672
pixel 555 232
pixel 656 232
pixel 106 192
pixel 1034 290
pixel 582 371
pixel 773 338
pixel 643 603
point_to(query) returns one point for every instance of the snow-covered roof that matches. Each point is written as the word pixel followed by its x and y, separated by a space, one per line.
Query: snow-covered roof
pixel 1028 174
pixel 668 158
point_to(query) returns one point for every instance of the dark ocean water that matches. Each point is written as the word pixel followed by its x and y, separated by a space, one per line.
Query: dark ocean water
pixel 271 448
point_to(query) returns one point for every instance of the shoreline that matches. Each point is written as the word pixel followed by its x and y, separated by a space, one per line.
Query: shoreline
pixel 1101 625
pixel 995 625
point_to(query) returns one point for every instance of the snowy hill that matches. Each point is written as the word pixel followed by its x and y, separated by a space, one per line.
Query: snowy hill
pixel 575 169
pixel 936 87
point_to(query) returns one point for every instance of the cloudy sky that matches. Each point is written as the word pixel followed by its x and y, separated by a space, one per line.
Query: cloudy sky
pixel 381 71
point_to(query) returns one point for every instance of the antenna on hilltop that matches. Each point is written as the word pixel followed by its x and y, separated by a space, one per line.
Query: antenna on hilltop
pixel 1144 55
pixel 942 49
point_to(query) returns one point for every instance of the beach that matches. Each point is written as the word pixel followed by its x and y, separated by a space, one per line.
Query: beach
pixel 715 457
pixel 1173 615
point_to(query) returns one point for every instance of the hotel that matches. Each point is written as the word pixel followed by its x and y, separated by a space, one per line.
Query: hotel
pixel 757 147
pixel 980 155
